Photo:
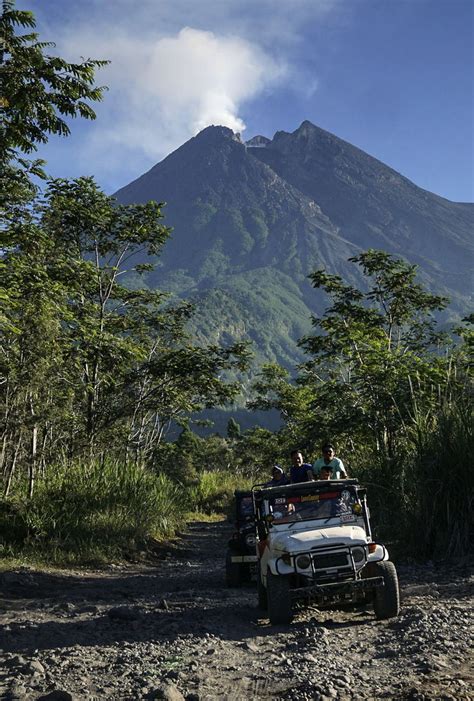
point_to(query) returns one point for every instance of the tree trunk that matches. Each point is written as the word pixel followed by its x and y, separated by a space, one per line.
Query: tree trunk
pixel 32 463
pixel 11 469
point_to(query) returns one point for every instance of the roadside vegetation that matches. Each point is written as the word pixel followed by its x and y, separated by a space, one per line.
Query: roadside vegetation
pixel 395 394
pixel 96 368
pixel 104 512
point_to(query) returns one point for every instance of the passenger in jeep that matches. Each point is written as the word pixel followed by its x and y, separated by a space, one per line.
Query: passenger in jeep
pixel 300 471
pixel 278 477
pixel 325 473
pixel 329 460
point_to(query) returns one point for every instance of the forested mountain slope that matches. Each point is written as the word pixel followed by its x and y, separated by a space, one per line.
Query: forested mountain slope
pixel 250 221
pixel 373 206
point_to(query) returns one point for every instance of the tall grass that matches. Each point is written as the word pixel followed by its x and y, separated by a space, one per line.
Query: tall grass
pixel 441 498
pixel 214 490
pixel 92 513
pixel 423 496
pixel 101 511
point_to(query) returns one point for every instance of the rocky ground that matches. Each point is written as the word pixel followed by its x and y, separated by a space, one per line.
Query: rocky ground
pixel 173 631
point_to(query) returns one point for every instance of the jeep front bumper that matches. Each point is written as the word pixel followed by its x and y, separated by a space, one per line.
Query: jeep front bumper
pixel 337 590
pixel 243 558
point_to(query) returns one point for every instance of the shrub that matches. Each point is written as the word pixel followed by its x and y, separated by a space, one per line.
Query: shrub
pixel 214 490
pixel 97 511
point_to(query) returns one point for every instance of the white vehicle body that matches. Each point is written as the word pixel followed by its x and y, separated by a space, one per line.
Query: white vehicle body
pixel 315 542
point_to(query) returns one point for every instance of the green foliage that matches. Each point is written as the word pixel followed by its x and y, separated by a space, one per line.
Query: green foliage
pixel 94 371
pixel 233 429
pixel 394 394
pixel 274 390
pixel 262 306
pixel 422 497
pixel 215 490
pixel 91 365
pixel 101 510
pixel 371 349
pixel 441 502
pixel 38 91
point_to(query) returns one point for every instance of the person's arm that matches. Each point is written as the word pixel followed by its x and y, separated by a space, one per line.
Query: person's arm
pixel 342 470
pixel 310 474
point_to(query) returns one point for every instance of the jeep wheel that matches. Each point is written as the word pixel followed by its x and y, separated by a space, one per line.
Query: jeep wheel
pixel 387 598
pixel 279 599
pixel 233 574
pixel 262 593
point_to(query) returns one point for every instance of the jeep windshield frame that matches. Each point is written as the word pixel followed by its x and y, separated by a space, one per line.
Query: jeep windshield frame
pixel 320 501
pixel 244 507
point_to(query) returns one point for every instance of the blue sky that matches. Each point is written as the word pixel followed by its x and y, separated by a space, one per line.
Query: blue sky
pixel 393 77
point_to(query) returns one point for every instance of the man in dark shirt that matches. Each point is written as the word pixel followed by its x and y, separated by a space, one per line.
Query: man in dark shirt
pixel 300 471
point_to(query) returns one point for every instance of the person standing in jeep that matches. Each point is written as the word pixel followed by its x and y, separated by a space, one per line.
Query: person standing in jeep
pixel 300 471
pixel 278 477
pixel 329 462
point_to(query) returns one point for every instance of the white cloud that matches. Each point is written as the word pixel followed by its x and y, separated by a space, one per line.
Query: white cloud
pixel 208 76
pixel 270 23
pixel 163 91
pixel 176 67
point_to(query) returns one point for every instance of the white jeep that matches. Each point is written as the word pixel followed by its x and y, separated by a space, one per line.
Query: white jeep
pixel 314 543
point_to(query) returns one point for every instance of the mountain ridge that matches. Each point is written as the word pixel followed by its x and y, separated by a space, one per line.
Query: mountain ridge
pixel 252 219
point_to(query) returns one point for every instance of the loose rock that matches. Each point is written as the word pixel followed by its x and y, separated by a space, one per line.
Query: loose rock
pixel 158 637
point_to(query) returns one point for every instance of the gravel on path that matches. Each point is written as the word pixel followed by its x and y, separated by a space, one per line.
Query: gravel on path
pixel 173 631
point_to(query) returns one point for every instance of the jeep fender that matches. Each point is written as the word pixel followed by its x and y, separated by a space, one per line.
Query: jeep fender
pixel 268 561
pixel 380 553
pixel 277 566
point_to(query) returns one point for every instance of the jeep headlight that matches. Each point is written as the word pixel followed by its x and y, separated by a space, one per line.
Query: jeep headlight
pixel 303 562
pixel 358 555
pixel 250 540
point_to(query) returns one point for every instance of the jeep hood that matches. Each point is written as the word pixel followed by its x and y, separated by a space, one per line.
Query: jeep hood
pixel 307 540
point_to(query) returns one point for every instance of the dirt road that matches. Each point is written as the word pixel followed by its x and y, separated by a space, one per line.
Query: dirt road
pixel 173 631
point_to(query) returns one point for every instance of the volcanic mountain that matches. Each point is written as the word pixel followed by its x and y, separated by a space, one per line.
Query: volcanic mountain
pixel 252 220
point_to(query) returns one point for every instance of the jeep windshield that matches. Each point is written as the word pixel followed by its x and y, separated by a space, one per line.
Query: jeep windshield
pixel 342 505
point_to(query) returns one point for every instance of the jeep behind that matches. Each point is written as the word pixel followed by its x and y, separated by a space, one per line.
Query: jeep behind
pixel 241 557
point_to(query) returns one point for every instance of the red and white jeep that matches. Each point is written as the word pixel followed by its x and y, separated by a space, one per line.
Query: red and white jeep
pixel 314 543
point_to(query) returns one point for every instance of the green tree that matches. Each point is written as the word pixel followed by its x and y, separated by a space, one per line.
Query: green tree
pixel 396 394
pixel 233 429
pixel 92 364
pixel 256 452
pixel 39 93
pixel 373 352
pixel 31 361
pixel 96 244
pixel 274 389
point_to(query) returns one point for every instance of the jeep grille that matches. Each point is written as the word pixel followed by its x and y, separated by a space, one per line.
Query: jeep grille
pixel 322 562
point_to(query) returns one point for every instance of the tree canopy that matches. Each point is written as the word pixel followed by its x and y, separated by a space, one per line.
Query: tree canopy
pixel 40 92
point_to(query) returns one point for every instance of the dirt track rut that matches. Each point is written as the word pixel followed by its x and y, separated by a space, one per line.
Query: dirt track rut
pixel 173 631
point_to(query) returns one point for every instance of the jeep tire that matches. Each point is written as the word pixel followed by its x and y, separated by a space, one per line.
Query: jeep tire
pixel 279 598
pixel 386 598
pixel 233 571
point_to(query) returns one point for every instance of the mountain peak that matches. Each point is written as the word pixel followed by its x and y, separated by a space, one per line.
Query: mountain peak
pixel 215 133
pixel 258 141
pixel 306 126
pixel 309 131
